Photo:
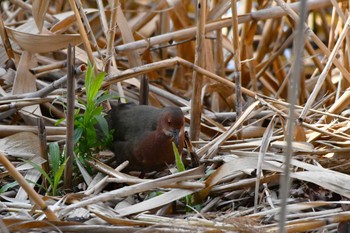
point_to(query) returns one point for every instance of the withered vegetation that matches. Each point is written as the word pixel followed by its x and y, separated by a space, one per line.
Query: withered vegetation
pixel 258 113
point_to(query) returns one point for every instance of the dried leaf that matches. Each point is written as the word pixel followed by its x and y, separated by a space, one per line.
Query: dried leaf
pixel 39 9
pixel 43 43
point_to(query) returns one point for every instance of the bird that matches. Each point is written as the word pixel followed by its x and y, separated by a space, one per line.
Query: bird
pixel 143 135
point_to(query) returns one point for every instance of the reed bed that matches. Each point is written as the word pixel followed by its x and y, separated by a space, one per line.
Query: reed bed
pixel 264 86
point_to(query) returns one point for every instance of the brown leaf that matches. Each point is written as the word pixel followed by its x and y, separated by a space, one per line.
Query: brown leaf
pixel 42 43
pixel 39 9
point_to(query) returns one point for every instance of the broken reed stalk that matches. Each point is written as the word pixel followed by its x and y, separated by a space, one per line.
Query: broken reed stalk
pixel 49 67
pixel 218 49
pixel 29 190
pixel 88 28
pixel 237 61
pixel 110 34
pixel 197 78
pixel 43 149
pixel 68 172
pixel 7 130
pixel 19 103
pixel 101 9
pixel 83 34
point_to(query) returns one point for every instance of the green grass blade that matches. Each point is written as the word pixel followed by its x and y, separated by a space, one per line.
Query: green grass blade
pixel 39 168
pixel 8 186
pixel 57 177
pixel 55 156
pixel 178 160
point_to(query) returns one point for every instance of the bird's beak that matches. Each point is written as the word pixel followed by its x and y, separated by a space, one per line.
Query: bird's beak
pixel 175 133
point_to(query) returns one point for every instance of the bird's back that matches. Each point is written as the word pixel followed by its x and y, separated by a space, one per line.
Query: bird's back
pixel 130 120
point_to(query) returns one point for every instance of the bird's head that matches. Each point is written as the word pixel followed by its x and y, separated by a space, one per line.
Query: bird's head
pixel 172 123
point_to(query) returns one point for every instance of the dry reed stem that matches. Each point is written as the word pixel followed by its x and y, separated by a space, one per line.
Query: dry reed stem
pixel 237 61
pixel 29 190
pixel 68 172
pixel 129 190
pixel 273 12
pixel 43 150
pixel 323 75
pixel 82 31
pixel 129 73
pixel 266 70
pixel 197 78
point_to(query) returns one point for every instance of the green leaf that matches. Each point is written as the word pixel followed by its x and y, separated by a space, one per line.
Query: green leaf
pixel 85 137
pixel 78 132
pixel 179 164
pixel 55 156
pixel 181 167
pixel 57 177
pixel 8 186
pixel 103 124
pixel 39 168
pixel 89 76
pixel 36 184
pixel 59 121
pixel 105 97
pixel 93 84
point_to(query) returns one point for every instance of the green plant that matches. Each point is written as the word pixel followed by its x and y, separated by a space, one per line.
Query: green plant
pixel 178 160
pixel 57 164
pixel 88 140
pixel 181 167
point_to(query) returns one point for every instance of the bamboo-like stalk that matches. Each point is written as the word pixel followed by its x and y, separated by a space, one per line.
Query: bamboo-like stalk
pixel 103 17
pixel 7 130
pixel 111 35
pixel 68 173
pixel 197 78
pixel 19 103
pixel 82 31
pixel 87 27
pixel 218 51
pixel 48 67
